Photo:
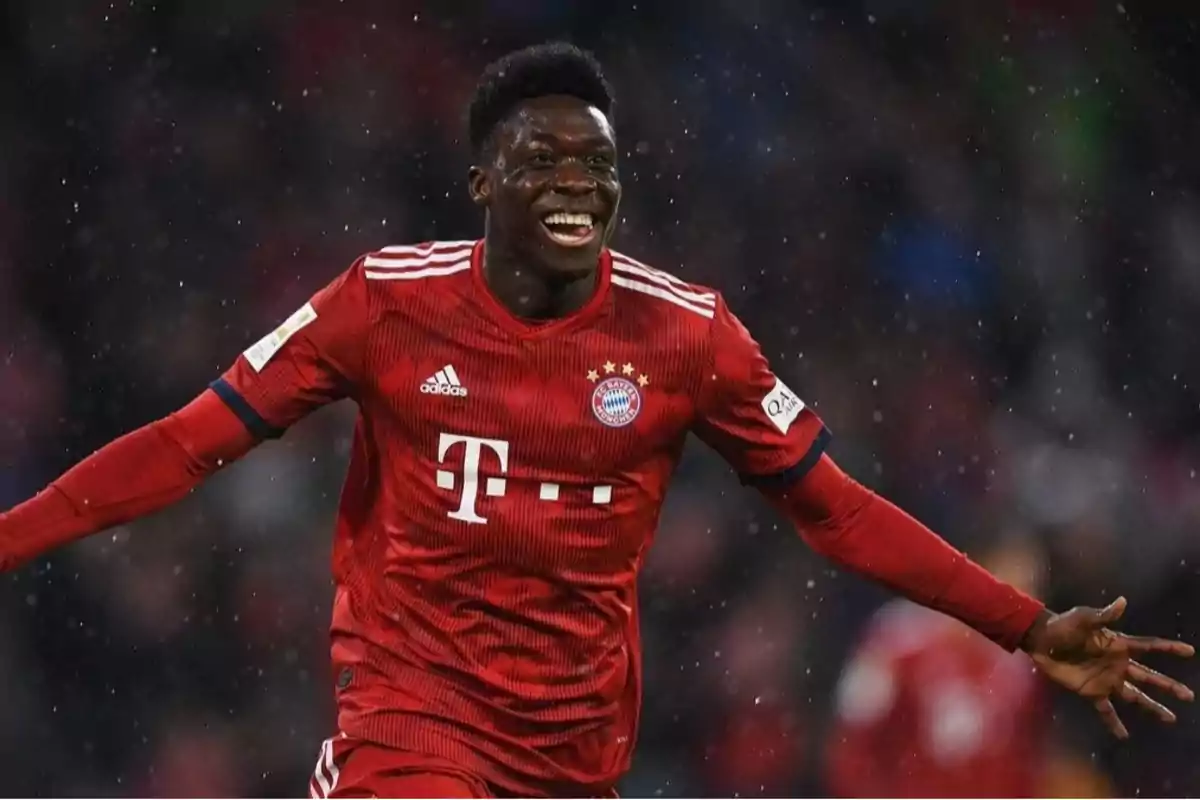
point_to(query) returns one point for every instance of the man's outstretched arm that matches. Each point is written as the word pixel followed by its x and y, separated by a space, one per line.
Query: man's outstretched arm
pixel 777 443
pixel 852 526
pixel 138 474
pixel 312 359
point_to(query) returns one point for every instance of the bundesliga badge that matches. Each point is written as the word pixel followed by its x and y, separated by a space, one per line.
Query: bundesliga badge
pixel 616 402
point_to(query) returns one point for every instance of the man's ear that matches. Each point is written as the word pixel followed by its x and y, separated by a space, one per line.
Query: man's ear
pixel 480 186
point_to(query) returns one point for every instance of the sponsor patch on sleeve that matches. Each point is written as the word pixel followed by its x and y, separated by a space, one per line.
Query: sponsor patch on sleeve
pixel 782 406
pixel 265 349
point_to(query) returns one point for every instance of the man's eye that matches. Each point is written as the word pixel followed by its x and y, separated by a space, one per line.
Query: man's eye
pixel 600 162
pixel 540 159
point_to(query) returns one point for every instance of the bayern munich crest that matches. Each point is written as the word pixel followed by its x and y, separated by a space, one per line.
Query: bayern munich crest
pixel 616 400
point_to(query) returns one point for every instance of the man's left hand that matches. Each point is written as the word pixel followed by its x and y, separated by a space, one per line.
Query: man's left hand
pixel 1078 651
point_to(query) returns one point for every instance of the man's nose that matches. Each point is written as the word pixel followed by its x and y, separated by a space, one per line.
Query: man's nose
pixel 572 177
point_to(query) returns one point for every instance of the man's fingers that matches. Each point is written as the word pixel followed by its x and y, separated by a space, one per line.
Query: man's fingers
pixel 1143 674
pixel 1135 696
pixel 1111 720
pixel 1153 644
pixel 1112 612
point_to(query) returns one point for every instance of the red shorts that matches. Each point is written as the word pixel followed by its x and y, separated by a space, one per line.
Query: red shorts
pixel 353 768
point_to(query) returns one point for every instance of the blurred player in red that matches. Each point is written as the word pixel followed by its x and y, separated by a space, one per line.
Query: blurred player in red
pixel 523 400
pixel 929 708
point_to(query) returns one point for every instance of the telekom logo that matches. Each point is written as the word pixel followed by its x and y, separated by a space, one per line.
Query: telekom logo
pixel 472 455
pixel 472 451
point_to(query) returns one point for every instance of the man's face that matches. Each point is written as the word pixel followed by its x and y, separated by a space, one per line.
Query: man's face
pixel 551 188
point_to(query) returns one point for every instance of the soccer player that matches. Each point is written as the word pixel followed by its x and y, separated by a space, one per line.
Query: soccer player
pixel 929 708
pixel 523 400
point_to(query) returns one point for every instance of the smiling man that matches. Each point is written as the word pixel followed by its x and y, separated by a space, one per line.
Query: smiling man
pixel 523 401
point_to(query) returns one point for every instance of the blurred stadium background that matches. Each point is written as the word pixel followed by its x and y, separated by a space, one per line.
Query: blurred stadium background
pixel 969 232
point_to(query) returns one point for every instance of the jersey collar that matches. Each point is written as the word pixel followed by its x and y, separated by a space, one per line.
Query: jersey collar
pixel 539 328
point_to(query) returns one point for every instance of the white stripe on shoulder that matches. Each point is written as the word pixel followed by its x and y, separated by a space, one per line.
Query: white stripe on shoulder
pixel 668 277
pixel 425 249
pixel 408 262
pixel 662 294
pixel 416 274
pixel 406 256
pixel 668 282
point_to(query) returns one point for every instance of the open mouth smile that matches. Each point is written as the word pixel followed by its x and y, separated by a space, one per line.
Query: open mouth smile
pixel 570 229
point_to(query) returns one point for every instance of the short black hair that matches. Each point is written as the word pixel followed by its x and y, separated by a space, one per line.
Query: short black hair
pixel 539 71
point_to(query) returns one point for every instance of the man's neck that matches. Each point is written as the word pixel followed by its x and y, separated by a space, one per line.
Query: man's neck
pixel 529 295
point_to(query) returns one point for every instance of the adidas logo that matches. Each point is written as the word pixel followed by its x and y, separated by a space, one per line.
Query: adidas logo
pixel 445 381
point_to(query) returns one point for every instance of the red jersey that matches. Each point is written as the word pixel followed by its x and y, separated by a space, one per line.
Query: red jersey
pixel 930 708
pixel 504 487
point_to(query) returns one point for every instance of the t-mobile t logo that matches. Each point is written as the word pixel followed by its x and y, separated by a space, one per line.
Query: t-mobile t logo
pixel 470 472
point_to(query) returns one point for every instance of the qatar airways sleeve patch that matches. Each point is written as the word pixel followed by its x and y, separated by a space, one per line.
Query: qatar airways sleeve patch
pixel 782 406
pixel 265 349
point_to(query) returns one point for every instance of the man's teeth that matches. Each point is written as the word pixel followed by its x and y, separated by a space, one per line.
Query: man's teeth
pixel 574 220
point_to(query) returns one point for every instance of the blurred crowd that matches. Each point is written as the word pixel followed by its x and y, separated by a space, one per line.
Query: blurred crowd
pixel 967 233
